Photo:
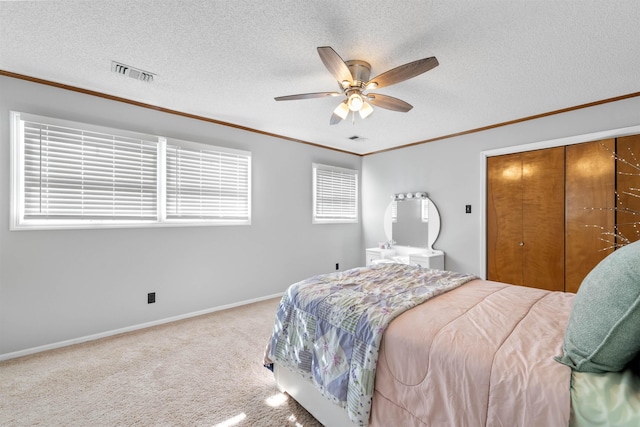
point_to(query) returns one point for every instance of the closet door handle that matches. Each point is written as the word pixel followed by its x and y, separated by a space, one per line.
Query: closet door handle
pixel 521 244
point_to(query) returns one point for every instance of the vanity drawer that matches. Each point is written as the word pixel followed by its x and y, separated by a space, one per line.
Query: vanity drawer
pixel 376 254
pixel 433 260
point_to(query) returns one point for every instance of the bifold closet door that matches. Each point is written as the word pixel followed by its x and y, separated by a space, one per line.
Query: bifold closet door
pixel 504 219
pixel 543 218
pixel 525 218
pixel 628 188
pixel 590 199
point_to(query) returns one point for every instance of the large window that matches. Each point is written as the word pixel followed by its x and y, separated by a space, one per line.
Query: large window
pixel 70 175
pixel 335 194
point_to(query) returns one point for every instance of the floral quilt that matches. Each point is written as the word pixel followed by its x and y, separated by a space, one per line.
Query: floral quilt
pixel 328 328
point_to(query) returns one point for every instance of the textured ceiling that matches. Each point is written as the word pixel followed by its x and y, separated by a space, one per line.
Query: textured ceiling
pixel 226 60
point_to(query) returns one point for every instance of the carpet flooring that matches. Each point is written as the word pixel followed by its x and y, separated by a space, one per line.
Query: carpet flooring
pixel 202 371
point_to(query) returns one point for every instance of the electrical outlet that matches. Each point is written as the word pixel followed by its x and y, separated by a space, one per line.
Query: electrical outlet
pixel 467 209
pixel 337 266
pixel 151 297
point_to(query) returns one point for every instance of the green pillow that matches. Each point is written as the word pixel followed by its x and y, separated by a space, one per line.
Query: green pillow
pixel 603 333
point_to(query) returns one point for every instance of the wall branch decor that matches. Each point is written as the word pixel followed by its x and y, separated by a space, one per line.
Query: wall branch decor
pixel 626 228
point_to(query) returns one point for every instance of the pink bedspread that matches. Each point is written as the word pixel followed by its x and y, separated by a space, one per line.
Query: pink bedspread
pixel 479 355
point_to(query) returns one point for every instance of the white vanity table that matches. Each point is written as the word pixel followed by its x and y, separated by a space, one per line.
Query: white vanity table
pixel 414 222
pixel 423 257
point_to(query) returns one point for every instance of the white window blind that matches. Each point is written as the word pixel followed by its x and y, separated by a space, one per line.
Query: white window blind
pixel 80 174
pixel 67 174
pixel 335 195
pixel 207 184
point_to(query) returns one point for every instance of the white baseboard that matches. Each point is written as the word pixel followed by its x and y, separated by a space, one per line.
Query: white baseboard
pixel 33 350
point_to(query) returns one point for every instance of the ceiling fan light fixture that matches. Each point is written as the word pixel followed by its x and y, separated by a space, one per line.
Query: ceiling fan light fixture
pixel 342 110
pixel 366 110
pixel 355 102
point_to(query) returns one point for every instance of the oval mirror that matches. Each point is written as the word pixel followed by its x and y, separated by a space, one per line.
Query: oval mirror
pixel 412 222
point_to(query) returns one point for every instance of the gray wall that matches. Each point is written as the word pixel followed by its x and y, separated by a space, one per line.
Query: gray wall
pixel 57 286
pixel 63 285
pixel 450 172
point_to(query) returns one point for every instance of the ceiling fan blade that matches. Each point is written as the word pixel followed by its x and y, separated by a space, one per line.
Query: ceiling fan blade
pixel 389 102
pixel 335 64
pixel 307 96
pixel 404 72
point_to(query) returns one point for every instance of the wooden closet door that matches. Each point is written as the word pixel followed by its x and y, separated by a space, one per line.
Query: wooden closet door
pixel 590 185
pixel 628 187
pixel 543 218
pixel 504 219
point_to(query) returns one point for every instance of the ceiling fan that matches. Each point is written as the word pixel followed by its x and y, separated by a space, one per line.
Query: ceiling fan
pixel 353 78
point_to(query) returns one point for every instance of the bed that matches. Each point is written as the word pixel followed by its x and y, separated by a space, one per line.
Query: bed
pixel 439 348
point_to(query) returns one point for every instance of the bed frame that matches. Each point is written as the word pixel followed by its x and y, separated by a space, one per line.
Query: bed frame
pixel 307 395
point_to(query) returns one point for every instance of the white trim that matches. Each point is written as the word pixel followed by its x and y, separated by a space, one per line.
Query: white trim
pixel 15 174
pixel 162 181
pixel 569 140
pixel 93 337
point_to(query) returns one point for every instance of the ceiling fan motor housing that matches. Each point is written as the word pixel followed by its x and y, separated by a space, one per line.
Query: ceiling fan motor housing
pixel 360 70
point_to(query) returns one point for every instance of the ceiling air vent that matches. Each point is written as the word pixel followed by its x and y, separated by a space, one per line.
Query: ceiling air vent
pixel 134 73
pixel 357 138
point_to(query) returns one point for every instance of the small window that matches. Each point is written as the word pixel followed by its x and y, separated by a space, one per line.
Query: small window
pixel 74 175
pixel 335 194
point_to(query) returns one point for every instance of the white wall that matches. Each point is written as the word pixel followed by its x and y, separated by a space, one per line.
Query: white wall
pixel 63 285
pixel 450 171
